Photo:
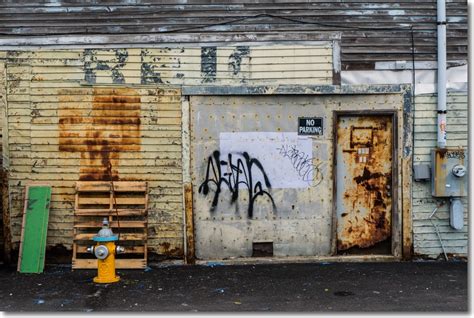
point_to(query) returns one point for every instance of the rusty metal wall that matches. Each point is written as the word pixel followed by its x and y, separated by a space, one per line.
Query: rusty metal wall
pixel 426 241
pixel 298 220
pixel 71 113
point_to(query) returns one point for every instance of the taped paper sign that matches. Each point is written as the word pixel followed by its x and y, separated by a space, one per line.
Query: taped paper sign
pixel 285 158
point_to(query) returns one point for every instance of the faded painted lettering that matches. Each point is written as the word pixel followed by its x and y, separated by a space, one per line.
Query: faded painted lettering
pixel 208 64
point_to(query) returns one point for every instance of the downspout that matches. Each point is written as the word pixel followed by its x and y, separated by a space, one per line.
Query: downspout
pixel 441 21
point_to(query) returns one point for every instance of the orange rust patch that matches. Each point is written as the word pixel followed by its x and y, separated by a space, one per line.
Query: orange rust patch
pixel 102 133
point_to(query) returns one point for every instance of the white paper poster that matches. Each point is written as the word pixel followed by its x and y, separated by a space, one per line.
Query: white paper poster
pixel 286 159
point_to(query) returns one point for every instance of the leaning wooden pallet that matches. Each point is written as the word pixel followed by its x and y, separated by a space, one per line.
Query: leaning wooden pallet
pixel 125 205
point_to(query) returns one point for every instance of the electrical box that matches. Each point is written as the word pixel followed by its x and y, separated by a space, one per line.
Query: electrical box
pixel 421 172
pixel 449 177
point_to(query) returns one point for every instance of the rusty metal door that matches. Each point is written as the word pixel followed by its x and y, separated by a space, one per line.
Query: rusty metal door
pixel 364 184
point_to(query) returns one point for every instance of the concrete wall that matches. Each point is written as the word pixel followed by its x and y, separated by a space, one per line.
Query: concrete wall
pixel 295 214
pixel 426 242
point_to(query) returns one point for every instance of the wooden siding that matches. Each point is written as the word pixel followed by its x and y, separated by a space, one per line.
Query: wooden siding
pixel 425 239
pixel 71 113
pixel 369 28
pixel 285 64
pixel 71 134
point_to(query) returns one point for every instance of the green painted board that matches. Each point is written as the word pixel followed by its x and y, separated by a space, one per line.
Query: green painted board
pixel 34 229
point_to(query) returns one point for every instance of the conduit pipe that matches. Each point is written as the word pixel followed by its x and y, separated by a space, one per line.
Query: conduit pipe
pixel 441 21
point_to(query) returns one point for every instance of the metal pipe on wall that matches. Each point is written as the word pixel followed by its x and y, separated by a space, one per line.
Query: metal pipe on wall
pixel 441 21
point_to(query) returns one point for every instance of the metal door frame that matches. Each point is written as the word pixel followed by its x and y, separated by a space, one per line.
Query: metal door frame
pixel 396 218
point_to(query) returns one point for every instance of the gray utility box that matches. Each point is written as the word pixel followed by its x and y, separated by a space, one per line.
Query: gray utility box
pixel 449 172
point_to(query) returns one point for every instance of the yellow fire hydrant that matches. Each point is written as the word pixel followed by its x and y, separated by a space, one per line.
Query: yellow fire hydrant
pixel 105 251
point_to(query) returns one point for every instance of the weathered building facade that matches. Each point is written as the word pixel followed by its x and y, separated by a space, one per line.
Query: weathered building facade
pixel 286 129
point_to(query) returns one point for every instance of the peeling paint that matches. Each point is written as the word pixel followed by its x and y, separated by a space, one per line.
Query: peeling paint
pixel 208 64
pixel 148 74
pixel 407 122
pixel 92 64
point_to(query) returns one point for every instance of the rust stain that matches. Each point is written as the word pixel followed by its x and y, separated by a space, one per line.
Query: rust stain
pixel 367 151
pixel 100 134
pixel 166 250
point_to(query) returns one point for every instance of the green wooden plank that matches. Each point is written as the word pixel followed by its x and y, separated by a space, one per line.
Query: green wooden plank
pixel 35 228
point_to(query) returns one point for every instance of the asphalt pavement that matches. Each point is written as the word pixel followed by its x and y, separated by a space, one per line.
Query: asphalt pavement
pixel 428 286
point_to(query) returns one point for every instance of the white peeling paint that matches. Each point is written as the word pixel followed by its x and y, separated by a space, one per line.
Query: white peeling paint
pixel 425 79
pixel 396 12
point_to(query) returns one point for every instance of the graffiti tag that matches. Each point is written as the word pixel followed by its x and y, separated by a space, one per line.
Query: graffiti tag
pixel 234 174
pixel 302 163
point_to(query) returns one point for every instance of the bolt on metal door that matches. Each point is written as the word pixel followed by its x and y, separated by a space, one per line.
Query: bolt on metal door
pixel 364 183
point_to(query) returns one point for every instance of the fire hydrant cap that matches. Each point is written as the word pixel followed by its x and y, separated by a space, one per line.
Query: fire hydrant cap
pixel 105 235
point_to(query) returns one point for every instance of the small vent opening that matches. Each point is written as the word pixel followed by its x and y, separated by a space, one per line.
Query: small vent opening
pixel 262 249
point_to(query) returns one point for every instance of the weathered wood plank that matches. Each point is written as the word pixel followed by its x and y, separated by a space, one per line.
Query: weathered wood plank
pixel 106 212
pixel 113 224
pixel 119 263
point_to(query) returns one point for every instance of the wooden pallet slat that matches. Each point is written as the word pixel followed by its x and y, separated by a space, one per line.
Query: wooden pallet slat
pixel 119 201
pixel 119 263
pixel 106 212
pixel 113 224
pixel 119 186
pixel 124 204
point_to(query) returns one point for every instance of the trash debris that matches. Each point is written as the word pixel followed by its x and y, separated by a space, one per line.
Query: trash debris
pixel 219 290
pixel 237 303
pixel 213 264
pixel 39 301
pixel 326 290
pixel 147 269
pixel 325 263
pixel 376 292
pixel 184 304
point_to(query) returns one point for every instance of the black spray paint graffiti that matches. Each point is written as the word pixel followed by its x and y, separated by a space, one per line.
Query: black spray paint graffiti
pixel 303 164
pixel 234 175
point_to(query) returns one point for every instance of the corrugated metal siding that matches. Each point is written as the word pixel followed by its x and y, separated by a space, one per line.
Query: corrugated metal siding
pixel 373 41
pixel 425 239
pixel 65 125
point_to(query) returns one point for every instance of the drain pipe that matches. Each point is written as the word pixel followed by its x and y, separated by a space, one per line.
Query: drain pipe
pixel 441 21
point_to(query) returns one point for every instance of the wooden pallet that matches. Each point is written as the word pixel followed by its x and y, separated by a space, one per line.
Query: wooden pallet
pixel 95 200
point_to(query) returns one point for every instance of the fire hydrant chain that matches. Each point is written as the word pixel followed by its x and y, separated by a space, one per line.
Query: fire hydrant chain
pixel 105 251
